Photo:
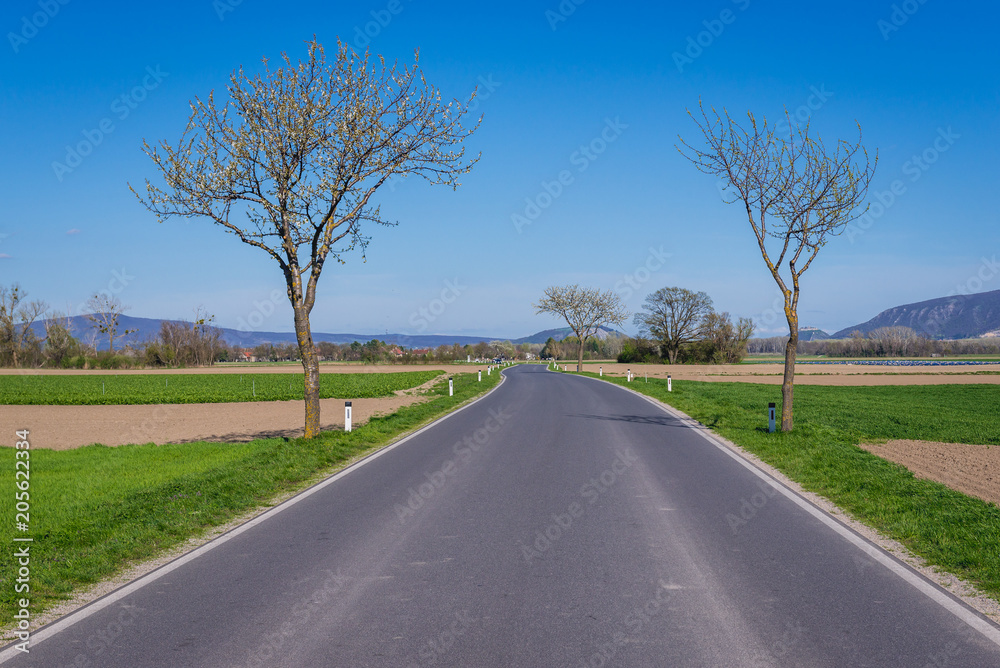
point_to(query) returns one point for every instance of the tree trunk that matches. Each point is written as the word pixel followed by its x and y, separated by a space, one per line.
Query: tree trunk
pixel 788 383
pixel 579 358
pixel 310 365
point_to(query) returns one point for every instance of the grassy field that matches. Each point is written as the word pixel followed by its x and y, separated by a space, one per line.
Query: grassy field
pixel 96 509
pixel 86 390
pixel 951 530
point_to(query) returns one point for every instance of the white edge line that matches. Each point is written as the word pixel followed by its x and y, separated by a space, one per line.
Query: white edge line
pixel 918 581
pixel 99 604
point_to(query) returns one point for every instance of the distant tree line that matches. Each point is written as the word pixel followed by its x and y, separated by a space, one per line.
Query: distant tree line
pixel 677 325
pixel 189 344
pixel 594 349
pixel 178 344
pixel 881 342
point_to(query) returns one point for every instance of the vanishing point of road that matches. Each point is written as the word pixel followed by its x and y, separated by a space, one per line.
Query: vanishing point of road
pixel 559 521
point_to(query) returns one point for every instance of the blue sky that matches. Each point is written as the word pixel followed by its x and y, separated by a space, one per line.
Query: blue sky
pixel 921 79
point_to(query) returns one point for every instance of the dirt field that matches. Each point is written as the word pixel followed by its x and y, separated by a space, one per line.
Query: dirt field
pixel 806 374
pixel 327 367
pixel 971 469
pixel 64 427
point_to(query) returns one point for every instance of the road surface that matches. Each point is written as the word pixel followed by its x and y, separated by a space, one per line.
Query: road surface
pixel 560 521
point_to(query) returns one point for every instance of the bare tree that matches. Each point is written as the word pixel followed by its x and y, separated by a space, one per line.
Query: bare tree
pixel 585 310
pixel 106 309
pixel 206 337
pixel 292 161
pixel 673 317
pixel 60 344
pixel 16 318
pixel 893 341
pixel 772 344
pixel 797 194
pixel 729 341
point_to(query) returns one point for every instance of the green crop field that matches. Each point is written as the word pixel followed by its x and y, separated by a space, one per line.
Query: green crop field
pixel 104 389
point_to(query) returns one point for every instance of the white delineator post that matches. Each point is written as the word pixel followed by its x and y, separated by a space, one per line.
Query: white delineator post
pixel 600 370
pixel 628 375
pixel 347 416
pixel 669 384
pixel 770 418
pixel 451 387
pixel 480 375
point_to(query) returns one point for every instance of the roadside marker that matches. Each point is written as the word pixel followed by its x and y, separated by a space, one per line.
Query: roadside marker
pixel 451 387
pixel 601 370
pixel 669 384
pixel 480 375
pixel 347 416
pixel 770 417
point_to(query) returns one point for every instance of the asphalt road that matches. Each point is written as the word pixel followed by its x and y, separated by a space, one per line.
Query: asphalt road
pixel 560 521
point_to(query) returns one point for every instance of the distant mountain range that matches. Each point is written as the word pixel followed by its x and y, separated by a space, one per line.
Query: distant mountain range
pixel 955 317
pixel 812 334
pixel 147 329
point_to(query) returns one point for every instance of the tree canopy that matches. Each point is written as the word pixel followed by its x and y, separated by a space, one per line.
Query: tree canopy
pixel 291 162
pixel 584 310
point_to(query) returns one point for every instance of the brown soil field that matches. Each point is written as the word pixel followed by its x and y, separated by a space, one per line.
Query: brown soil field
pixel 65 427
pixel 806 374
pixel 971 469
pixel 326 367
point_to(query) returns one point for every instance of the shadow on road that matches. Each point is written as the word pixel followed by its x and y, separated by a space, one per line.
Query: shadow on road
pixel 658 420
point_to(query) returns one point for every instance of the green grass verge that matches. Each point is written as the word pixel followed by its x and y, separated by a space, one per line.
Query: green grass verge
pixel 948 529
pixel 191 388
pixel 96 509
